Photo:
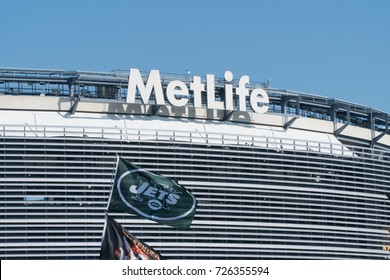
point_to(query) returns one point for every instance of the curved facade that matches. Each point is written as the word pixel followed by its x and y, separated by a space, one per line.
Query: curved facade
pixel 307 180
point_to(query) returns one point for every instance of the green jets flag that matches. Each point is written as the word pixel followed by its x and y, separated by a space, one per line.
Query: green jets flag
pixel 151 196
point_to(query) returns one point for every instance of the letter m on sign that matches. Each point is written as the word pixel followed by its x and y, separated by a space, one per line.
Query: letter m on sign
pixel 145 90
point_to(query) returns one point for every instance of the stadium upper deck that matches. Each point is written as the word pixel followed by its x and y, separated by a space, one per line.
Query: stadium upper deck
pixel 112 87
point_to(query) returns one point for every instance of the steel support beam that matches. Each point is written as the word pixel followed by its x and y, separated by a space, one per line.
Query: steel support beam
pixel 339 130
pixel 73 108
pixel 385 117
pixel 288 124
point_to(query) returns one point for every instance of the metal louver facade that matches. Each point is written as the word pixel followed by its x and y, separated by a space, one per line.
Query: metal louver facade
pixel 254 202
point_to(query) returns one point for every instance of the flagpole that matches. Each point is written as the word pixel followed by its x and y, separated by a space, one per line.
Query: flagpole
pixel 113 180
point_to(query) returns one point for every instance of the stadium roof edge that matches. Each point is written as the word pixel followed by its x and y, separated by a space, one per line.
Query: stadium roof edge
pixel 31 73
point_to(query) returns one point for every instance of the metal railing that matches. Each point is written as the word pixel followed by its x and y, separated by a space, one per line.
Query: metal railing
pixel 194 137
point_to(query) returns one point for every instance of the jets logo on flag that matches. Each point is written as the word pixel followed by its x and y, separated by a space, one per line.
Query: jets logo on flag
pixel 155 194
pixel 151 196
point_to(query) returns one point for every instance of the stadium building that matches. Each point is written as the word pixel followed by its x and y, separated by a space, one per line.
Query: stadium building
pixel 277 174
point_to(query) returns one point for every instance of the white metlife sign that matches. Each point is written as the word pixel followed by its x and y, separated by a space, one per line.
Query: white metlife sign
pixel 178 94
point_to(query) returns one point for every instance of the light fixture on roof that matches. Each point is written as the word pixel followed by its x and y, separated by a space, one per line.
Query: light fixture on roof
pixel 188 73
pixel 267 83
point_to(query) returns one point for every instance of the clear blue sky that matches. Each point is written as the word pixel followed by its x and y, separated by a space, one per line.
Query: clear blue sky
pixel 334 48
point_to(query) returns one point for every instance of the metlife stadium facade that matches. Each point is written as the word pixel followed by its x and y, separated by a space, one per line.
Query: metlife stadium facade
pixel 277 174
